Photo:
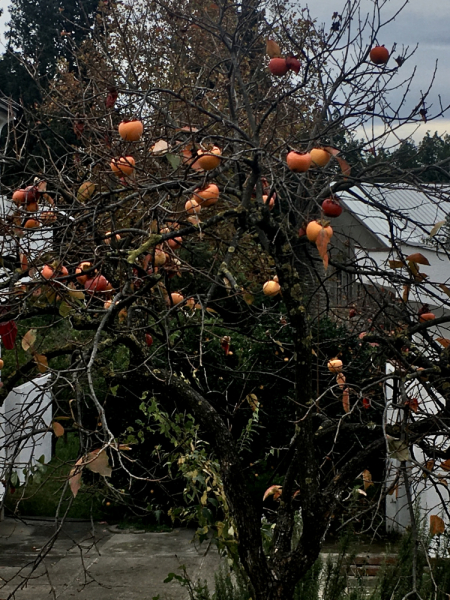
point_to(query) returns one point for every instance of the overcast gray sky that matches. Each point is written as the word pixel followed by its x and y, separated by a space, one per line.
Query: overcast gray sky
pixel 4 18
pixel 419 22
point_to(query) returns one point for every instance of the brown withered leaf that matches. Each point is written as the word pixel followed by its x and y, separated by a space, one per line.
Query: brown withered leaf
pixel 418 258
pixel 429 465
pixel 437 525
pixel 396 264
pixel 331 150
pixel 405 295
pixel 75 477
pixel 322 246
pixel 253 401
pixel 160 147
pixel 345 167
pixel 392 490
pixel 436 228
pixel 367 478
pixel 279 344
pixel 48 199
pixel 41 362
pixel 445 289
pixel 23 262
pixel 273 50
pixel 248 298
pixel 58 429
pixel 29 339
pixel 420 276
pixel 273 490
pixel 340 380
pixel 111 97
pixel 413 267
pixel 443 341
pixel 445 465
pixel 413 404
pixel 346 400
pixel 97 461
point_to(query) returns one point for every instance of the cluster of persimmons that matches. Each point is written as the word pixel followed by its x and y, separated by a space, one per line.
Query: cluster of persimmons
pixel 29 215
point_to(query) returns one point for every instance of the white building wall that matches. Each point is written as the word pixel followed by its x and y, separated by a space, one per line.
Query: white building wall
pixel 27 409
pixel 438 272
pixel 429 493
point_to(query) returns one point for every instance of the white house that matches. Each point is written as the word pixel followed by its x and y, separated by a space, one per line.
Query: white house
pixel 378 215
pixel 390 222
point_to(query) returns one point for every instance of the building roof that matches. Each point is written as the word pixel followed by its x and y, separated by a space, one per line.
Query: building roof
pixel 399 210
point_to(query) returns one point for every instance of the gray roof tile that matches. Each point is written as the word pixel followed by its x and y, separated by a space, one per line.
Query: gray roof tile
pixel 399 209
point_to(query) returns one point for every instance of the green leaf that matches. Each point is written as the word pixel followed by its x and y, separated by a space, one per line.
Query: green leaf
pixel 158 514
pixel 171 576
pixel 65 309
pixel 40 468
pixel 113 390
pixel 174 160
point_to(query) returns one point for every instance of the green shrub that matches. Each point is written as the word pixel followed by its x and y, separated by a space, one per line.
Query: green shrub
pixel 329 580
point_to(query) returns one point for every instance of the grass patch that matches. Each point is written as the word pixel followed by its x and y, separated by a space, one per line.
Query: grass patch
pixel 42 494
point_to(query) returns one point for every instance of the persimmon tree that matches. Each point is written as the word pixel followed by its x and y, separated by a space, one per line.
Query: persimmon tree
pixel 187 261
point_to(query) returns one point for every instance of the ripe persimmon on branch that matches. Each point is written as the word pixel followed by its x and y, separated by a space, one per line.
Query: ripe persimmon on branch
pixel 194 214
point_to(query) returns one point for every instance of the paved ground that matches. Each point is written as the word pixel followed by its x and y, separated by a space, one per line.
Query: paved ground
pixel 97 565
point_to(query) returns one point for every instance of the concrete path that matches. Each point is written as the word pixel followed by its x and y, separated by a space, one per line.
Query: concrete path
pixel 98 565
